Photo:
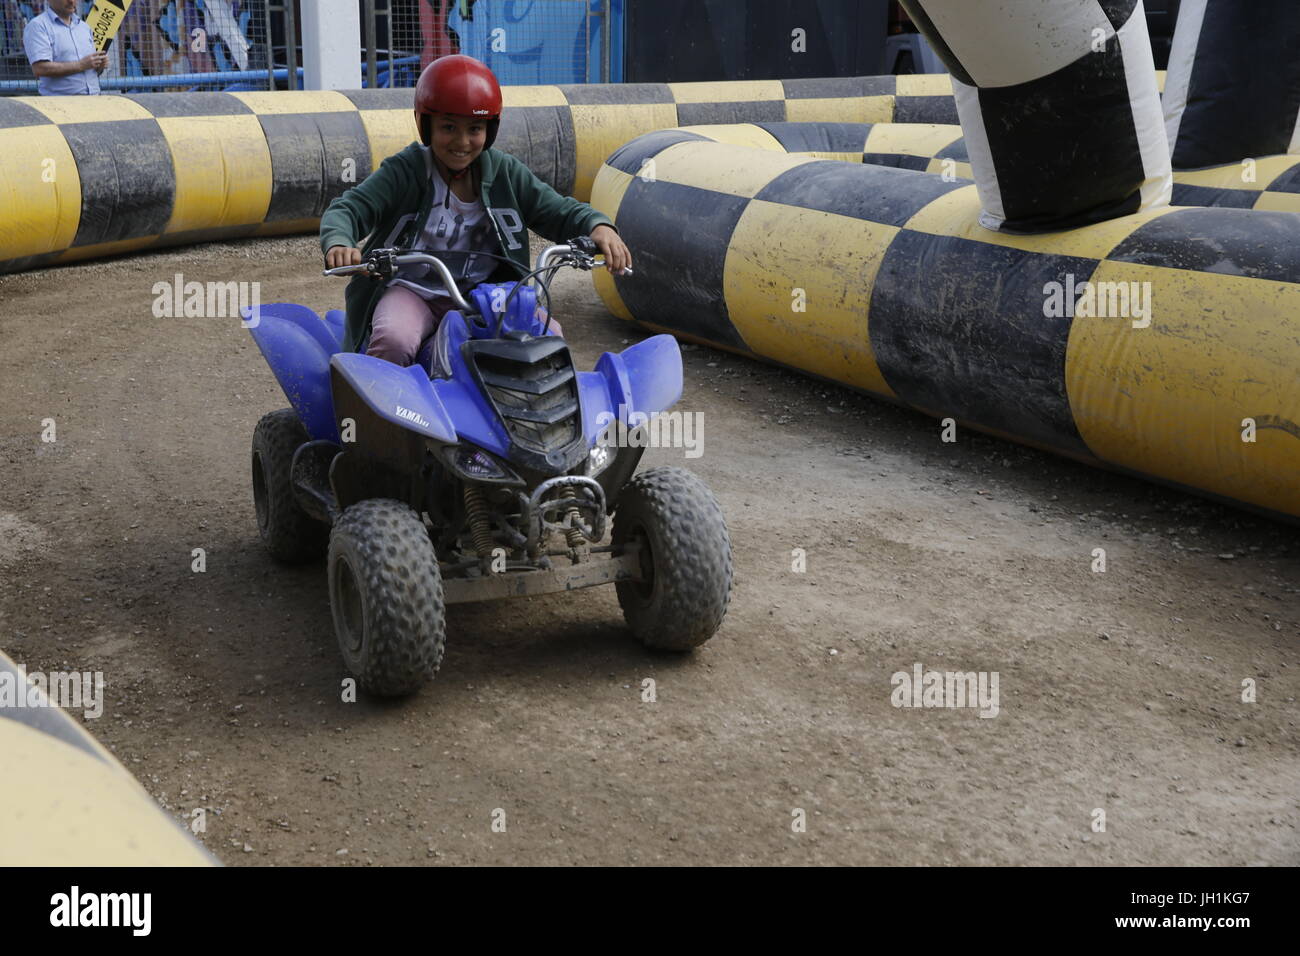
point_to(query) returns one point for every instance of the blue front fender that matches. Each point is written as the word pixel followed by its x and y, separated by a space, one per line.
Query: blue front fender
pixel 298 345
pixel 403 396
pixel 645 379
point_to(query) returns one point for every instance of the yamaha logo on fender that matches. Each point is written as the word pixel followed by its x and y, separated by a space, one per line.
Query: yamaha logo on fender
pixel 411 416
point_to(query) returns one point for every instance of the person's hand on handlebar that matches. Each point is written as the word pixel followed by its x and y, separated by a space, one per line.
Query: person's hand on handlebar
pixel 617 255
pixel 342 256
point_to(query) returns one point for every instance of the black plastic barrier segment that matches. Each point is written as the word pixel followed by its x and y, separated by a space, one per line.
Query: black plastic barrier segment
pixel 128 185
pixel 958 329
pixel 939 108
pixel 631 157
pixel 543 137
pixel 1243 95
pixel 874 193
pixel 400 99
pixel 1287 182
pixel 1096 161
pixel 820 137
pixel 851 137
pixel 826 88
pixel 925 109
pixel 191 104
pixel 1185 195
pixel 307 160
pixel 752 111
pixel 14 114
pixel 898 161
pixel 616 94
pixel 681 236
pixel 1254 243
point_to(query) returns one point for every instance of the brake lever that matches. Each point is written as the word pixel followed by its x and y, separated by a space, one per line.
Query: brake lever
pixel 588 263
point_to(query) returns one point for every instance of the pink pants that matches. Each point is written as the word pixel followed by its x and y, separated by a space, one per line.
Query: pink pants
pixel 403 320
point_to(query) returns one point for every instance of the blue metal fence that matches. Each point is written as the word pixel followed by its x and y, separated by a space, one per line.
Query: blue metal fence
pixel 229 81
pixel 243 45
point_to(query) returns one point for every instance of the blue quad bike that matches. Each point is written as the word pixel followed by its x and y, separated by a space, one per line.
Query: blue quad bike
pixel 491 468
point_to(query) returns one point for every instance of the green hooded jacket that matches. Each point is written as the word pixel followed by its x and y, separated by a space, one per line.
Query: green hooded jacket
pixel 389 209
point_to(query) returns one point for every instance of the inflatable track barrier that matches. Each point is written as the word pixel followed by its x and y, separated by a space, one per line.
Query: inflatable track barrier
pixel 91 176
pixel 1234 82
pixel 65 800
pixel 1270 183
pixel 1164 343
pixel 1060 105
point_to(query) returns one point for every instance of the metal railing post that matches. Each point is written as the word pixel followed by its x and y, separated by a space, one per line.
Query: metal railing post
pixel 270 48
pixel 291 43
pixel 606 38
pixel 372 42
pixel 388 18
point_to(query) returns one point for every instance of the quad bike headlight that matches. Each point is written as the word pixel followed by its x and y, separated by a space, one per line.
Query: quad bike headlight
pixel 474 464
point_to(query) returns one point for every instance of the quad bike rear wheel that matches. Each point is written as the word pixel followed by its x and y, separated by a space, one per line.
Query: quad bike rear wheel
pixel 386 597
pixel 289 533
pixel 686 563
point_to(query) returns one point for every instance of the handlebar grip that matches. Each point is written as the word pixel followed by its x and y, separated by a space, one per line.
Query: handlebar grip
pixel 353 269
pixel 584 244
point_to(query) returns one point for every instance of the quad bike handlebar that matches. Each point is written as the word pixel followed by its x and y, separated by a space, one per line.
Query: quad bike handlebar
pixel 383 264
pixel 580 253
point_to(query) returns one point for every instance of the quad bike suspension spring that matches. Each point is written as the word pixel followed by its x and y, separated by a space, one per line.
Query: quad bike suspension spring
pixel 476 515
pixel 573 535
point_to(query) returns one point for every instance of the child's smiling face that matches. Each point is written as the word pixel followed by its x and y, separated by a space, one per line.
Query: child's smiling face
pixel 457 140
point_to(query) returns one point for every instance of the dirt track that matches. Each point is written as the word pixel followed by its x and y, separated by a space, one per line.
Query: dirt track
pixel 1118 690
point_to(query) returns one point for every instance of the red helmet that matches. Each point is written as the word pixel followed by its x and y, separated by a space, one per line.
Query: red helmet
pixel 459 85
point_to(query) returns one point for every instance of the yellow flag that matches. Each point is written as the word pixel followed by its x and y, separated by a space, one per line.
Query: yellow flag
pixel 104 20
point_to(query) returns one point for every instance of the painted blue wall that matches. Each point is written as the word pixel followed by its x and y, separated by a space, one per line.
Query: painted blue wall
pixel 545 40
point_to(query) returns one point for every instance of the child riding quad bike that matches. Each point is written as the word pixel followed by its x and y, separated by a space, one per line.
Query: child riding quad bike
pixel 488 469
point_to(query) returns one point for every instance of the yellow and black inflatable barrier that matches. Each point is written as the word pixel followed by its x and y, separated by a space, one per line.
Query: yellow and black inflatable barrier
pixel 89 176
pixel 66 801
pixel 929 147
pixel 1270 183
pixel 97 175
pixel 1165 343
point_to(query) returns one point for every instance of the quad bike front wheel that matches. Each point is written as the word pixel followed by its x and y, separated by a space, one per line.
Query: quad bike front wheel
pixel 289 533
pixel 686 559
pixel 386 597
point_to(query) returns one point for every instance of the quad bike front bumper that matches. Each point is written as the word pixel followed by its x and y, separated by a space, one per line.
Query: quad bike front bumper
pixel 572 506
pixel 623 566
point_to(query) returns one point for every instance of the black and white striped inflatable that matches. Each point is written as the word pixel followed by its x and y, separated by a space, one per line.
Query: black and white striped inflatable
pixel 1059 104
pixel 1233 90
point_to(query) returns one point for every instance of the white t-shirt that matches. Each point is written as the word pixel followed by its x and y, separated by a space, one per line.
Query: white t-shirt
pixel 454 232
